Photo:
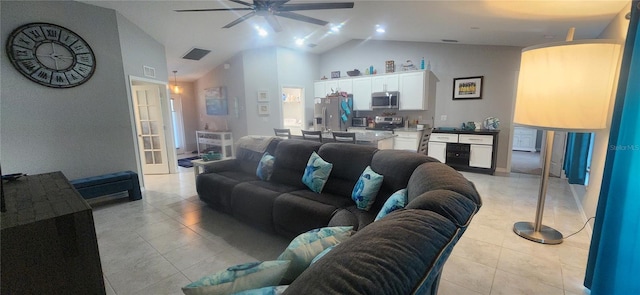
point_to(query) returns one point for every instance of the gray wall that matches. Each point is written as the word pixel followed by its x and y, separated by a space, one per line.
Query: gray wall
pixel 81 131
pixel 498 65
pixel 298 69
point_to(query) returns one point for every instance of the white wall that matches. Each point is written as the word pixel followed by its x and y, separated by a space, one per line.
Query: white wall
pixel 261 74
pixel 588 198
pixel 498 65
pixel 81 131
pixel 189 114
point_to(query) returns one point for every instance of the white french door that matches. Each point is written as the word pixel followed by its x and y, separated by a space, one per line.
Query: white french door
pixel 150 129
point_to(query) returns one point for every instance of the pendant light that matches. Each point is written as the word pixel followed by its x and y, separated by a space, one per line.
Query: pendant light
pixel 176 89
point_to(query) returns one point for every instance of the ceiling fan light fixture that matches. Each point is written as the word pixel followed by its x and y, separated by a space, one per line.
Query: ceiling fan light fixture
pixel 336 28
pixel 299 41
pixel 262 32
pixel 380 29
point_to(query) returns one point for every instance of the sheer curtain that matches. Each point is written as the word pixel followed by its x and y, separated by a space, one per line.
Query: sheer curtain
pixel 614 257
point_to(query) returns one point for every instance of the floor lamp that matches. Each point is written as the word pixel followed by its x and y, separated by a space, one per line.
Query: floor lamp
pixel 563 86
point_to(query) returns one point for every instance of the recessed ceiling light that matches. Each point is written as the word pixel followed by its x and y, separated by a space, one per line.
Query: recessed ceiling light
pixel 299 41
pixel 262 32
pixel 380 29
pixel 336 28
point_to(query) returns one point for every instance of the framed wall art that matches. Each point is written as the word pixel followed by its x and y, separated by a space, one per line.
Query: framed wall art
pixel 263 96
pixel 335 74
pixel 263 109
pixel 467 88
pixel 216 101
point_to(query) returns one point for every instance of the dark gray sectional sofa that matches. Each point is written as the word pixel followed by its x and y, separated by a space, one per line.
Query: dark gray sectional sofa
pixel 402 253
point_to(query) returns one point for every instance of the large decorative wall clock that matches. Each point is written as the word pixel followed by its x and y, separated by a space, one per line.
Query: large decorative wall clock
pixel 51 55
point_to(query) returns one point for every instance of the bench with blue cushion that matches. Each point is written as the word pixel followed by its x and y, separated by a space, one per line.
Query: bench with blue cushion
pixel 101 185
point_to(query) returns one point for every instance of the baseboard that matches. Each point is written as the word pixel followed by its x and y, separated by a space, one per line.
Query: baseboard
pixel 579 204
pixel 501 172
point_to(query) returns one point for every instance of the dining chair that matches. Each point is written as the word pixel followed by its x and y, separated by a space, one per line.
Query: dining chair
pixel 283 133
pixel 349 137
pixel 312 135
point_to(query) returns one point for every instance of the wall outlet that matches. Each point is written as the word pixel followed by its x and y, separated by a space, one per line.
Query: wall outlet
pixel 443 117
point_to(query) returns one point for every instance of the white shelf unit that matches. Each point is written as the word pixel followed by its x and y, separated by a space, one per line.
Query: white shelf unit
pixel 221 141
pixel 524 139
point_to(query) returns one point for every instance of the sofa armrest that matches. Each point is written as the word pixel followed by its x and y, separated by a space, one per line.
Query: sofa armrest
pixel 218 166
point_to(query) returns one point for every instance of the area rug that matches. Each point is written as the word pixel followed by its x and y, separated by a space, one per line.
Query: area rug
pixel 186 162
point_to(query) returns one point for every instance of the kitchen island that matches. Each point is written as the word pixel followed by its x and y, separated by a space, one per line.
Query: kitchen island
pixel 383 140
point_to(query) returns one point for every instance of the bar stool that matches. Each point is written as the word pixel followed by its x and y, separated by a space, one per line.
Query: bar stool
pixel 282 133
pixel 349 137
pixel 312 135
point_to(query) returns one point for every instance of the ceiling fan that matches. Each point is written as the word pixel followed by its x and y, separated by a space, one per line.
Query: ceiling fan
pixel 269 9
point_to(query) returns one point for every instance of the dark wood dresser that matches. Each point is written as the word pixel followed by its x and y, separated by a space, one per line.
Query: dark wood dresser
pixel 48 239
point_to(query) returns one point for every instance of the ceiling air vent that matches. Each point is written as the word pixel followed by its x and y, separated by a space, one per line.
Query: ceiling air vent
pixel 196 54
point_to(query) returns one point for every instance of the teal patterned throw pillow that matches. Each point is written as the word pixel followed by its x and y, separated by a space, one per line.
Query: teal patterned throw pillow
pixel 397 200
pixel 365 191
pixel 307 246
pixel 265 167
pixel 239 278
pixel 316 173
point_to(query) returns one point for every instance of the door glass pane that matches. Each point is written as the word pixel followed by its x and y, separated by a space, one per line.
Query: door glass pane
pixel 147 142
pixel 157 157
pixel 156 142
pixel 153 113
pixel 145 127
pixel 148 157
pixel 154 128
pixel 144 113
pixel 142 98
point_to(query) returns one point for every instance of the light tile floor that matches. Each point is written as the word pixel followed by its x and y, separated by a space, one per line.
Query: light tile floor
pixel 170 238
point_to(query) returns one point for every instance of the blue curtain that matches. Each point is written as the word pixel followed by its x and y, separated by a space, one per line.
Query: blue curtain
pixel 614 257
pixel 577 155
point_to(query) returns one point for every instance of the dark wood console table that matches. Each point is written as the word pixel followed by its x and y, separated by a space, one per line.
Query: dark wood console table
pixel 49 243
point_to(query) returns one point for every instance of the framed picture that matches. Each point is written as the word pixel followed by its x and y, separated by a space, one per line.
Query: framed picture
pixel 216 101
pixel 263 96
pixel 390 66
pixel 263 109
pixel 335 74
pixel 467 88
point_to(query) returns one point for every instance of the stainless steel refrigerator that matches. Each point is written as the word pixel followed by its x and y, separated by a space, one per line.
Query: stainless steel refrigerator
pixel 333 113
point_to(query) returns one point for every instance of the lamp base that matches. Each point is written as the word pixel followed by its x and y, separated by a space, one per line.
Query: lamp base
pixel 546 235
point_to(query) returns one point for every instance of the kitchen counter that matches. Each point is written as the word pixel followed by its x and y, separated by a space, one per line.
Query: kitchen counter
pixel 361 137
pixel 462 131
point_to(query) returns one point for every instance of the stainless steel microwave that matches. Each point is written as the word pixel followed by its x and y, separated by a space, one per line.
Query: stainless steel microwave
pixel 385 100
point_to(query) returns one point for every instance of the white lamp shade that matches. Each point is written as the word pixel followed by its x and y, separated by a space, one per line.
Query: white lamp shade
pixel 567 85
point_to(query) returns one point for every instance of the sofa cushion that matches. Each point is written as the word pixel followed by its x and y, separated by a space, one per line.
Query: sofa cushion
pixel 366 188
pixel 308 245
pixel 316 173
pixel 396 166
pixel 271 290
pixel 349 160
pixel 374 262
pixel 250 149
pixel 252 202
pixel 454 206
pixel 435 175
pixel 352 216
pixel 265 167
pixel 292 155
pixel 398 200
pixel 239 278
pixel 299 211
pixel 216 188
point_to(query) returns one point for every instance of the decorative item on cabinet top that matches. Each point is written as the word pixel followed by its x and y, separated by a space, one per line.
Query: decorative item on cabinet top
pixel 353 73
pixel 390 66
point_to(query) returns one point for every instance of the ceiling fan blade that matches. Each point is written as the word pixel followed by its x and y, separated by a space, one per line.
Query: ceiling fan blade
pixel 239 20
pixel 315 6
pixel 213 9
pixel 241 2
pixel 273 23
pixel 300 17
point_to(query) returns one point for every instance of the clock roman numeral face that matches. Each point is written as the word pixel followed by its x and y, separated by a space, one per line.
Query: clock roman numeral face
pixel 51 55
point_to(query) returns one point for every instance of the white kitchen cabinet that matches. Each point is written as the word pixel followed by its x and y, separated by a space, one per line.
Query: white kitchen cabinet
pixel 417 90
pixel 407 140
pixel 438 150
pixel 318 89
pixel 361 94
pixel 330 86
pixel 524 139
pixel 387 82
pixel 480 156
pixel 345 85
